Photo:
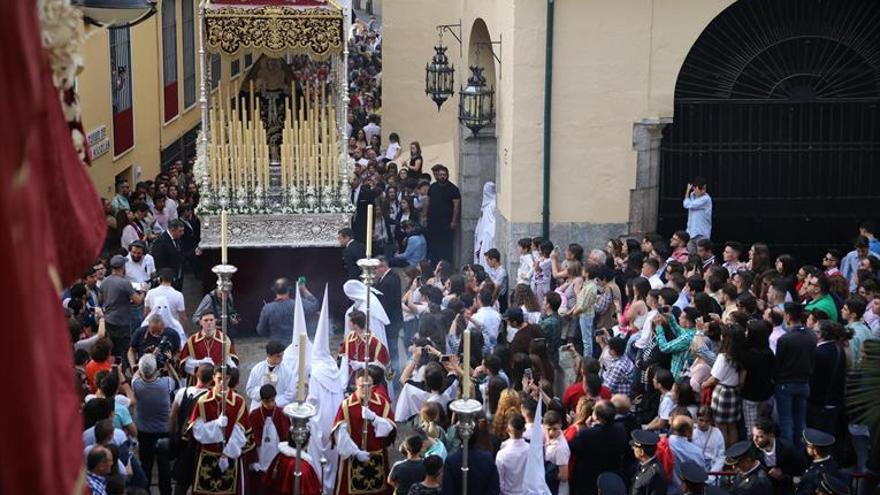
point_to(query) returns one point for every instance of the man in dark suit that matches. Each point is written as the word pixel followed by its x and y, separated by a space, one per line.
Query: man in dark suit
pixel 362 196
pixel 167 251
pixel 782 461
pixel 828 383
pixel 388 283
pixel 352 251
pixel 598 449
pixel 192 235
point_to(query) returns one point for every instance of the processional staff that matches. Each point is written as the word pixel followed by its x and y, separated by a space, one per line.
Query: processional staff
pixel 368 267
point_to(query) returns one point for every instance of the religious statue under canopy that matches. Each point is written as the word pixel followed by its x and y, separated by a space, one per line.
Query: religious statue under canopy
pixel 272 81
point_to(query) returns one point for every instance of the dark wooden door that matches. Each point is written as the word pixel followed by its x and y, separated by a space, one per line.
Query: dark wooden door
pixel 778 107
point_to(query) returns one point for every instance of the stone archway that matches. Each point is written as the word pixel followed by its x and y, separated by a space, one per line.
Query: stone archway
pixel 478 154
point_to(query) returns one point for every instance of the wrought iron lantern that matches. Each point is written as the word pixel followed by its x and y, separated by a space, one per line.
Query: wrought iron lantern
pixel 116 13
pixel 439 76
pixel 476 106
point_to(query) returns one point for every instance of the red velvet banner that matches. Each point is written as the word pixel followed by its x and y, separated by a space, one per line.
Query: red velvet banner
pixel 41 177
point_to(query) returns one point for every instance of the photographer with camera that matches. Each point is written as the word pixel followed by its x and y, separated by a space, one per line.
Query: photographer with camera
pixel 155 339
pixel 212 302
pixel 429 376
pixel 153 393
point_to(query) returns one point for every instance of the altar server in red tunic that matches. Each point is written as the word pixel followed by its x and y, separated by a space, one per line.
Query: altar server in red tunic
pixel 222 440
pixel 269 425
pixel 364 465
pixel 357 350
pixel 279 478
pixel 206 347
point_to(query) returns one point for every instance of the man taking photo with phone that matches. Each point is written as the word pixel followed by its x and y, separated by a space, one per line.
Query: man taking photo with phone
pixel 698 203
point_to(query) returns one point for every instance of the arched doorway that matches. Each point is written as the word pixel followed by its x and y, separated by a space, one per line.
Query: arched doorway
pixel 478 153
pixel 777 105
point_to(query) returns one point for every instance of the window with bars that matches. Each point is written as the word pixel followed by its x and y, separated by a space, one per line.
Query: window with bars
pixel 189 52
pixel 234 68
pixel 216 68
pixel 120 89
pixel 248 60
pixel 169 57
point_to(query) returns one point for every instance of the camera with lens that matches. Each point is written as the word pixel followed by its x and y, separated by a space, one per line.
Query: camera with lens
pixel 163 351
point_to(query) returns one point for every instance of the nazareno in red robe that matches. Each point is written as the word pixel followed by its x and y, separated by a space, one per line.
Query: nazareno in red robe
pixel 354 477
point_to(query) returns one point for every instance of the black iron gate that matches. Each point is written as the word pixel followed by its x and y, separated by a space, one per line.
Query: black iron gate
pixel 778 107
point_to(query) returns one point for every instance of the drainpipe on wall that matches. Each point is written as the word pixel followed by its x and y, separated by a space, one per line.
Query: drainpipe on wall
pixel 548 99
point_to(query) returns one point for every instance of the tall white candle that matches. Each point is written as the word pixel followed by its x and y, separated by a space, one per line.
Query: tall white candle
pixel 301 379
pixel 223 237
pixel 369 231
pixel 467 364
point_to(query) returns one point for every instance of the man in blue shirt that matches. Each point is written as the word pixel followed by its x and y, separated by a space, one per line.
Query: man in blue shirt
pixel 849 265
pixel 276 317
pixel 416 247
pixel 698 203
pixel 867 229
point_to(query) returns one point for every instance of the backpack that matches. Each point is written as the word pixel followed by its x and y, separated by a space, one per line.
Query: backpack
pixel 184 412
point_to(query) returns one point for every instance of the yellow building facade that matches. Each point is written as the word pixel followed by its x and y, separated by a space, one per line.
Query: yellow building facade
pixel 614 74
pixel 140 93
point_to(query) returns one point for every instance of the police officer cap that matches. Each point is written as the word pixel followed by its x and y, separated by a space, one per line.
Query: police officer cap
pixel 693 473
pixel 818 438
pixel 644 437
pixel 610 484
pixel 737 451
pixel 833 485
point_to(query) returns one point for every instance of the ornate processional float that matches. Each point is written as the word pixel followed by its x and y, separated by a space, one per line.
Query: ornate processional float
pixel 272 148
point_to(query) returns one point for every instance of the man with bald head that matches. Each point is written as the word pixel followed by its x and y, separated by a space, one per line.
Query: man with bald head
pixel 99 463
pixel 276 318
pixel 683 450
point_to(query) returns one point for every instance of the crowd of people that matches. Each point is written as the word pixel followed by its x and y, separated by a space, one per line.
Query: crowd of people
pixel 414 217
pixel 646 367
pixel 691 371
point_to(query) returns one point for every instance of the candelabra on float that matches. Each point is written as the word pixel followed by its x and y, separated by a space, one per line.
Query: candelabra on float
pixel 293 199
pixel 311 199
pixel 241 199
pixel 328 198
pixel 259 199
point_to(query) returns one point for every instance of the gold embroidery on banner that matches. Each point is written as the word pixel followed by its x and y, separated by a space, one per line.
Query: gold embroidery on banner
pixel 367 477
pixel 275 30
pixel 209 478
